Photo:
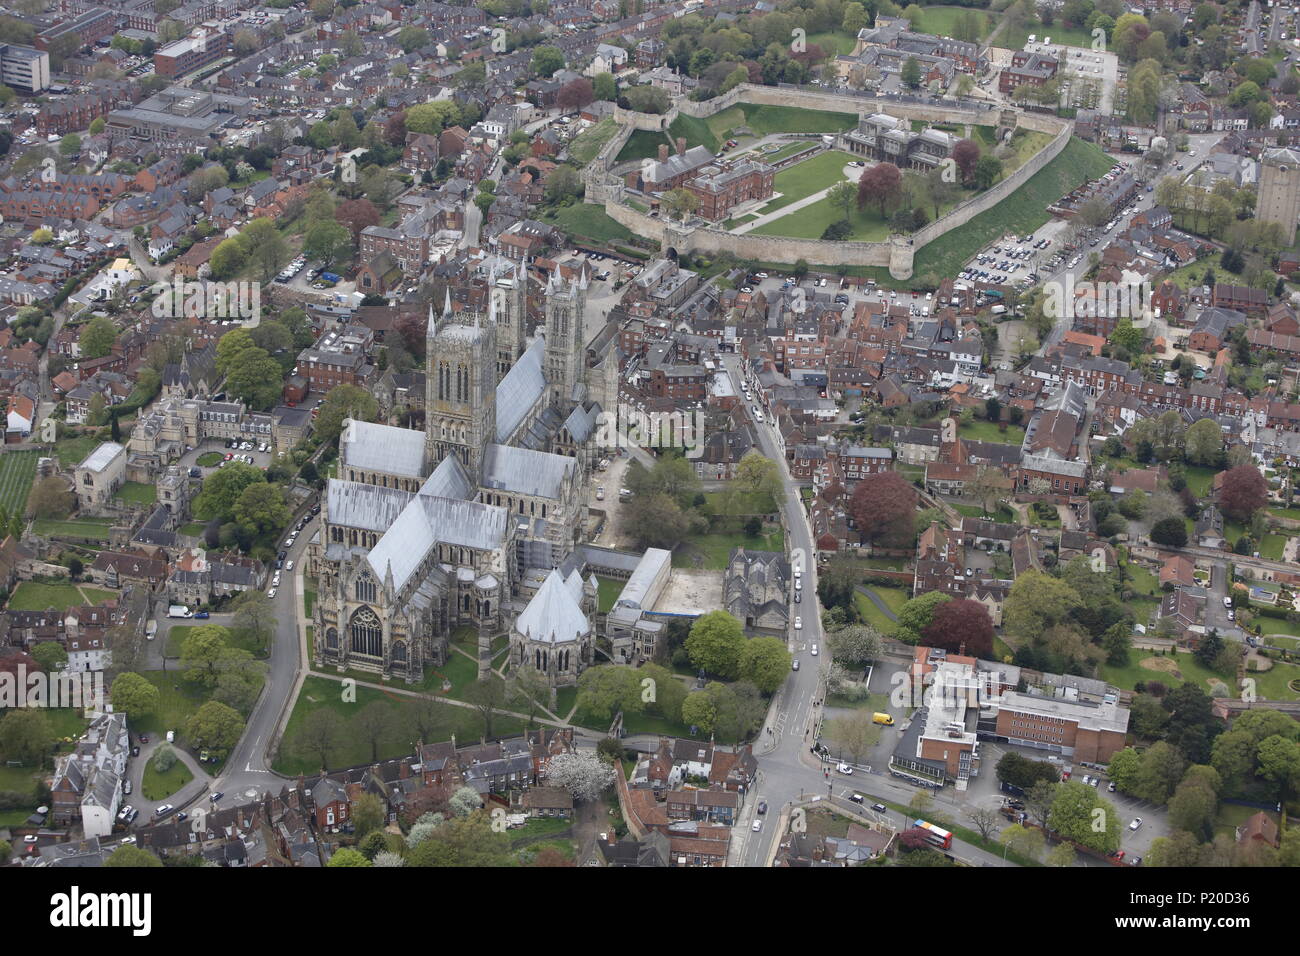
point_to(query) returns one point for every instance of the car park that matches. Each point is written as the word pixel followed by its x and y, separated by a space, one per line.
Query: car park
pixel 1136 824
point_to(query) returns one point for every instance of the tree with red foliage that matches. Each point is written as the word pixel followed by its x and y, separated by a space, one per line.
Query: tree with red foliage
pixel 395 129
pixel 356 214
pixel 879 184
pixel 551 857
pixel 914 838
pixel 1242 492
pixel 966 154
pixel 413 328
pixel 575 94
pixel 882 506
pixel 961 627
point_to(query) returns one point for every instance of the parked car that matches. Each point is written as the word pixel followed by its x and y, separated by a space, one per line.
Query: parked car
pixel 758 825
pixel 202 615
pixel 762 806
pixel 844 769
pixel 1136 824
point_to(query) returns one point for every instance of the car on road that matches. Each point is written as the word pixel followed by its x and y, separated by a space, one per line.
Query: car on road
pixel 762 806
pixel 216 795
pixel 201 615
pixel 844 769
pixel 1111 786
pixel 758 826
pixel 271 593
pixel 600 493
pixel 162 811
pixel 181 816
pixel 289 566
pixel 126 788
pixel 798 624
pixel 135 751
pixel 857 798
pixel 794 665
pixel 1136 824
pixel 814 650
pixel 144 738
pixel 1227 601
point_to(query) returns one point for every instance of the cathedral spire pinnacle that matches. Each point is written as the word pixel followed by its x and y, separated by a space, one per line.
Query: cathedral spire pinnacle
pixel 446 305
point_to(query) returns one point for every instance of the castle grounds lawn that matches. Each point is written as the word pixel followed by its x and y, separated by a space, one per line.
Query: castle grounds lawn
pixel 809 222
pixel 159 786
pixel 352 750
pixel 803 179
pixel 73 451
pixel 137 493
pixel 1020 213
pixel 83 529
pixel 590 222
pixel 990 431
pixel 837 42
pixel 586 145
pixel 34 596
pixel 642 144
pixel 17 474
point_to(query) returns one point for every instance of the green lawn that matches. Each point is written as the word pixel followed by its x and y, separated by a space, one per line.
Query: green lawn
pixel 159 786
pixel 565 698
pixel 737 501
pixel 894 598
pixel 1273 683
pixel 352 750
pixel 83 529
pixel 607 592
pixel 942 21
pixel 587 221
pixel 810 222
pixel 193 530
pixel 1189 669
pixel 585 146
pixel 1015 38
pixel 711 551
pixel 805 178
pixel 992 432
pixel 178 700
pixel 138 494
pixel 177 635
pixel 73 451
pixel 17 473
pixel 1020 213
pixel 1199 479
pixel 308 601
pixel 34 596
pixel 209 459
pixel 834 42
pixel 642 144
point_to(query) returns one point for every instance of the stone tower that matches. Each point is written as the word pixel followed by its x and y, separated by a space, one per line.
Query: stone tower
pixel 510 298
pixel 460 390
pixel 565 308
pixel 1279 190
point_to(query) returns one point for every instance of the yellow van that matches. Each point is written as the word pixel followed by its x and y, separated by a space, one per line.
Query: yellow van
pixel 885 719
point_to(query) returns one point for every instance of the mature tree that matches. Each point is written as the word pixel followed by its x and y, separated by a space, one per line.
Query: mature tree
pixel 843 196
pixel 25 736
pixel 50 498
pixel 368 814
pixel 262 507
pixel 465 801
pixel 987 172
pixel 758 473
pixel 1022 772
pixel 1063 854
pixel 966 154
pixel 716 644
pixel 1125 769
pixel 133 857
pixel 1193 808
pixel 134 696
pixel 487 697
pixel 605 690
pixel 765 663
pixel 855 645
pixel 257 379
pixel 356 215
pixel 216 727
pixel 255 616
pixel 882 507
pixel 320 734
pixel 880 184
pixel 1243 491
pixel 1081 814
pixel 97 337
pixel 1203 443
pixel 1279 761
pixel 463 842
pixel 1039 799
pixel 854 732
pixel 1161 768
pixel 1025 841
pixel 962 627
pixel 201 653
pixel 575 94
pixel 1171 532
pixel 341 403
pixel 372 723
pixel 585 775
pixel 1036 602
pixel 222 490
pixel 917 615
pixel 911 73
pixel 327 241
pixel 347 856
pixel 547 60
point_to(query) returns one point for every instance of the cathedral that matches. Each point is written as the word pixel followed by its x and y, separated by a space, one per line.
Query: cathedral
pixel 427 532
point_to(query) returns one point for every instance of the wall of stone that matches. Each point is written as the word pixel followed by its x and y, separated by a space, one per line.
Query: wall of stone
pixel 897 254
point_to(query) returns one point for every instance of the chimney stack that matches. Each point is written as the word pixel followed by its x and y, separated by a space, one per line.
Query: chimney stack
pixel 663 152
pixel 681 145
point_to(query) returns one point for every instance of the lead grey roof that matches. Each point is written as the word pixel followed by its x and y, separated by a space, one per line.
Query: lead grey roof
pixel 369 507
pixel 554 615
pixel 519 390
pixel 448 481
pixel 525 472
pixel 648 569
pixel 427 521
pixel 396 451
pixel 101 457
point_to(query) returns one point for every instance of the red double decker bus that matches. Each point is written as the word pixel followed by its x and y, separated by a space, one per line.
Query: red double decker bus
pixel 936 835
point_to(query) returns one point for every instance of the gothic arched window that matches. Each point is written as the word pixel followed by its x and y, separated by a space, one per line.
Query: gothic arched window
pixel 367 633
pixel 365 589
